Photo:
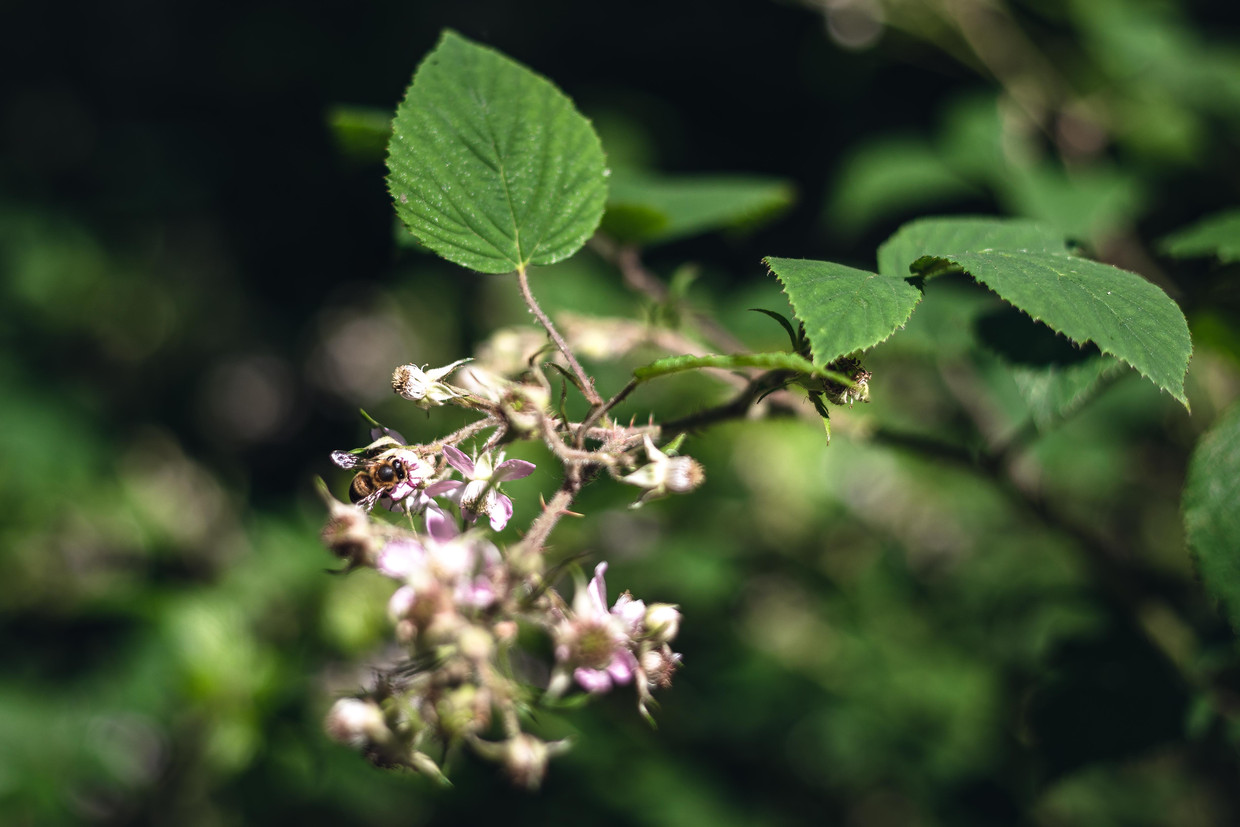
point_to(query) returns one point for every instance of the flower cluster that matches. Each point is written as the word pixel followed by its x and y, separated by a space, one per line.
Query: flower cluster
pixel 463 600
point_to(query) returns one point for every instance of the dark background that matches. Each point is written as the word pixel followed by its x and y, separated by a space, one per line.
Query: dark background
pixel 201 286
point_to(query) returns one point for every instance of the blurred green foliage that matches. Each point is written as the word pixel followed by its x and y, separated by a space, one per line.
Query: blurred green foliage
pixel 972 608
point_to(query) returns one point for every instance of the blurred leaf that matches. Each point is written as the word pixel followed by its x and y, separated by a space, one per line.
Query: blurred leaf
pixel 361 132
pixel 1087 203
pixel 1125 315
pixel 1054 391
pixel 1211 516
pixel 1215 235
pixel 884 177
pixel 647 209
pixel 843 309
pixel 490 165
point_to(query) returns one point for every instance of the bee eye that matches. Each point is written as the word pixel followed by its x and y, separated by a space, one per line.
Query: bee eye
pixel 386 474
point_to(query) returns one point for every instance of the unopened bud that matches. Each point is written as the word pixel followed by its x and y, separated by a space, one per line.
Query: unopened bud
pixel 506 632
pixel 464 710
pixel 660 664
pixel 356 722
pixel 525 760
pixel 476 643
pixel 683 474
pixel 662 622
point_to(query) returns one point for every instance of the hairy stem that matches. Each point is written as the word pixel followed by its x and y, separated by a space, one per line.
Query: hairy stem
pixel 587 384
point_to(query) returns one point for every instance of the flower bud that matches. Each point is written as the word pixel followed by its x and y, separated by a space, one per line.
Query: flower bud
pixel 662 622
pixel 664 474
pixel 476 643
pixel 349 535
pixel 660 664
pixel 356 723
pixel 423 387
pixel 464 710
pixel 525 760
pixel 506 632
pixel 523 407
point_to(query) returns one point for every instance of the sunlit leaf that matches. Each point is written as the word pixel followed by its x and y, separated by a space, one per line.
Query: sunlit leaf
pixel 1029 266
pixel 490 165
pixel 843 309
pixel 929 235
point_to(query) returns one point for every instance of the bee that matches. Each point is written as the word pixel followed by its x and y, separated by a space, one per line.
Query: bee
pixel 384 469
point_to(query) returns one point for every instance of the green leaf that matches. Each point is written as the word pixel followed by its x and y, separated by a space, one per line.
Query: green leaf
pixel 1215 235
pixel 768 361
pixel 1211 518
pixel 887 176
pixel 647 209
pixel 490 165
pixel 929 236
pixel 361 132
pixel 843 309
pixel 1029 267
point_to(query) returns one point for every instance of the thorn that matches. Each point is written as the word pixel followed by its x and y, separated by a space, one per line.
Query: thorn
pixel 568 513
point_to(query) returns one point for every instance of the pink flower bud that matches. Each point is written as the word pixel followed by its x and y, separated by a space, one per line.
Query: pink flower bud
pixel 356 723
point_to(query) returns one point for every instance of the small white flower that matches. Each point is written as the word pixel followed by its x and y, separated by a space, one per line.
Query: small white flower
pixel 665 475
pixel 425 388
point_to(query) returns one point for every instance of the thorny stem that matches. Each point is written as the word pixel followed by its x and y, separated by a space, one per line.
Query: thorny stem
pixel 534 540
pixel 587 384
pixel 598 412
pixel 462 434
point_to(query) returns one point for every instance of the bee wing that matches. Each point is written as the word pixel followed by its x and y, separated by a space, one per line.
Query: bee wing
pixel 368 502
pixel 346 460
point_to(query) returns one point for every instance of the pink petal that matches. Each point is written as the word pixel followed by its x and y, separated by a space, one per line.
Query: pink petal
pixel 439 525
pixel 457 459
pixel 597 590
pixel 501 512
pixel 622 667
pixel 512 469
pixel 399 558
pixel 592 680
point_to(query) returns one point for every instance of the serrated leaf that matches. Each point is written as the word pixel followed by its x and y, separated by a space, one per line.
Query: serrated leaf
pixel 768 361
pixel 1122 313
pixel 1030 267
pixel 843 309
pixel 1216 235
pixel 490 165
pixel 1211 518
pixel 1053 376
pixel 648 210
pixel 934 236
